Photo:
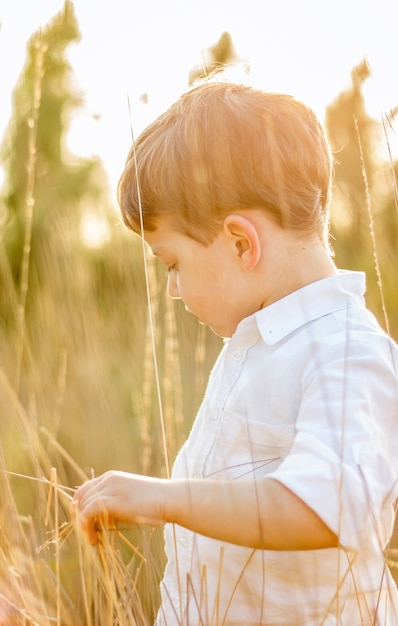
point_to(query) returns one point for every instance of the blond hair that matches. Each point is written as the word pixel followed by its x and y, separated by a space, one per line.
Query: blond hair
pixel 224 147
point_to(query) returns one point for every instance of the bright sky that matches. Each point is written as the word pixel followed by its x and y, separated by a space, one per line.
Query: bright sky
pixel 304 47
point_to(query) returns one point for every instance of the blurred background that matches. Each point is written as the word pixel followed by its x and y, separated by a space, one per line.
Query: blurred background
pixel 88 381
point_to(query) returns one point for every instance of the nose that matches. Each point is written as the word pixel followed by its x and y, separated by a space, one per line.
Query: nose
pixel 172 285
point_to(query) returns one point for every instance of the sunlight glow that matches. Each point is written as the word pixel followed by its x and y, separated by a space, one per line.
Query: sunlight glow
pixel 82 137
pixel 145 53
pixel 94 230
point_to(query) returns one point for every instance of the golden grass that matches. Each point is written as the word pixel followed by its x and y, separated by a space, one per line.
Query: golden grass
pixel 85 406
pixel 83 399
pixel 80 392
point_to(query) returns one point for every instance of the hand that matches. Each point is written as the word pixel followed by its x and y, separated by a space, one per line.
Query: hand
pixel 118 497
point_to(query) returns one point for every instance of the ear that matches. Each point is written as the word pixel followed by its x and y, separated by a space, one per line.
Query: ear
pixel 245 238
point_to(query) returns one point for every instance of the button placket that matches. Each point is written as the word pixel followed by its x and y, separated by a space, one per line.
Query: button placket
pixel 237 355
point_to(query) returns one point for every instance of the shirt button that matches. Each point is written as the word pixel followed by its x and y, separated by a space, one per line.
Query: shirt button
pixel 237 356
pixel 213 416
pixel 183 542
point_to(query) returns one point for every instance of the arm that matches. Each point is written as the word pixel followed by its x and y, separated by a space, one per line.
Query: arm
pixel 263 515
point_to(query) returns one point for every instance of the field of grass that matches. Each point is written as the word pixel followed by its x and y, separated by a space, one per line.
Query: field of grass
pixel 89 381
pixel 78 396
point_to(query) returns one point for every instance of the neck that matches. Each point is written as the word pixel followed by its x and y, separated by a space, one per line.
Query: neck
pixel 298 263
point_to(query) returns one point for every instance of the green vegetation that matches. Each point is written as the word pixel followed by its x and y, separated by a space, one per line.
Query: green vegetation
pixel 78 385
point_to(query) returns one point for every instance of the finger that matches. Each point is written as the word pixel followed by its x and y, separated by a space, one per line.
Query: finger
pixel 89 519
pixel 89 512
pixel 87 500
pixel 84 488
pixel 90 530
pixel 87 526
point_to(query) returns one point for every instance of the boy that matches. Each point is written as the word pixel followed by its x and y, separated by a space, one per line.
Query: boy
pixel 282 499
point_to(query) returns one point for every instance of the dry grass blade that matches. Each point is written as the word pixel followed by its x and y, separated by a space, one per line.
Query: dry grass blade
pixel 371 229
pixel 30 196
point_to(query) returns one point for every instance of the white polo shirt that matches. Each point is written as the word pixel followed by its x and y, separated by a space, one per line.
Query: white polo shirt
pixel 305 392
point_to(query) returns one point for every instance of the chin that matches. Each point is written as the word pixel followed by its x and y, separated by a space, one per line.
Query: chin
pixel 220 332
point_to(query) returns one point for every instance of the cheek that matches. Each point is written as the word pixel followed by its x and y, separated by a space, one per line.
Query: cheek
pixel 193 293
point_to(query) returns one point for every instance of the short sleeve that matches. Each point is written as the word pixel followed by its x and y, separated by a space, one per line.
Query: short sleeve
pixel 343 463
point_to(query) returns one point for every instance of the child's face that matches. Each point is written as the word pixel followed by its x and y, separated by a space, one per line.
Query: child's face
pixel 207 279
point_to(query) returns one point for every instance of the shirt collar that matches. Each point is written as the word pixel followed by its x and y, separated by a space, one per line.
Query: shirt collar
pixel 335 293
